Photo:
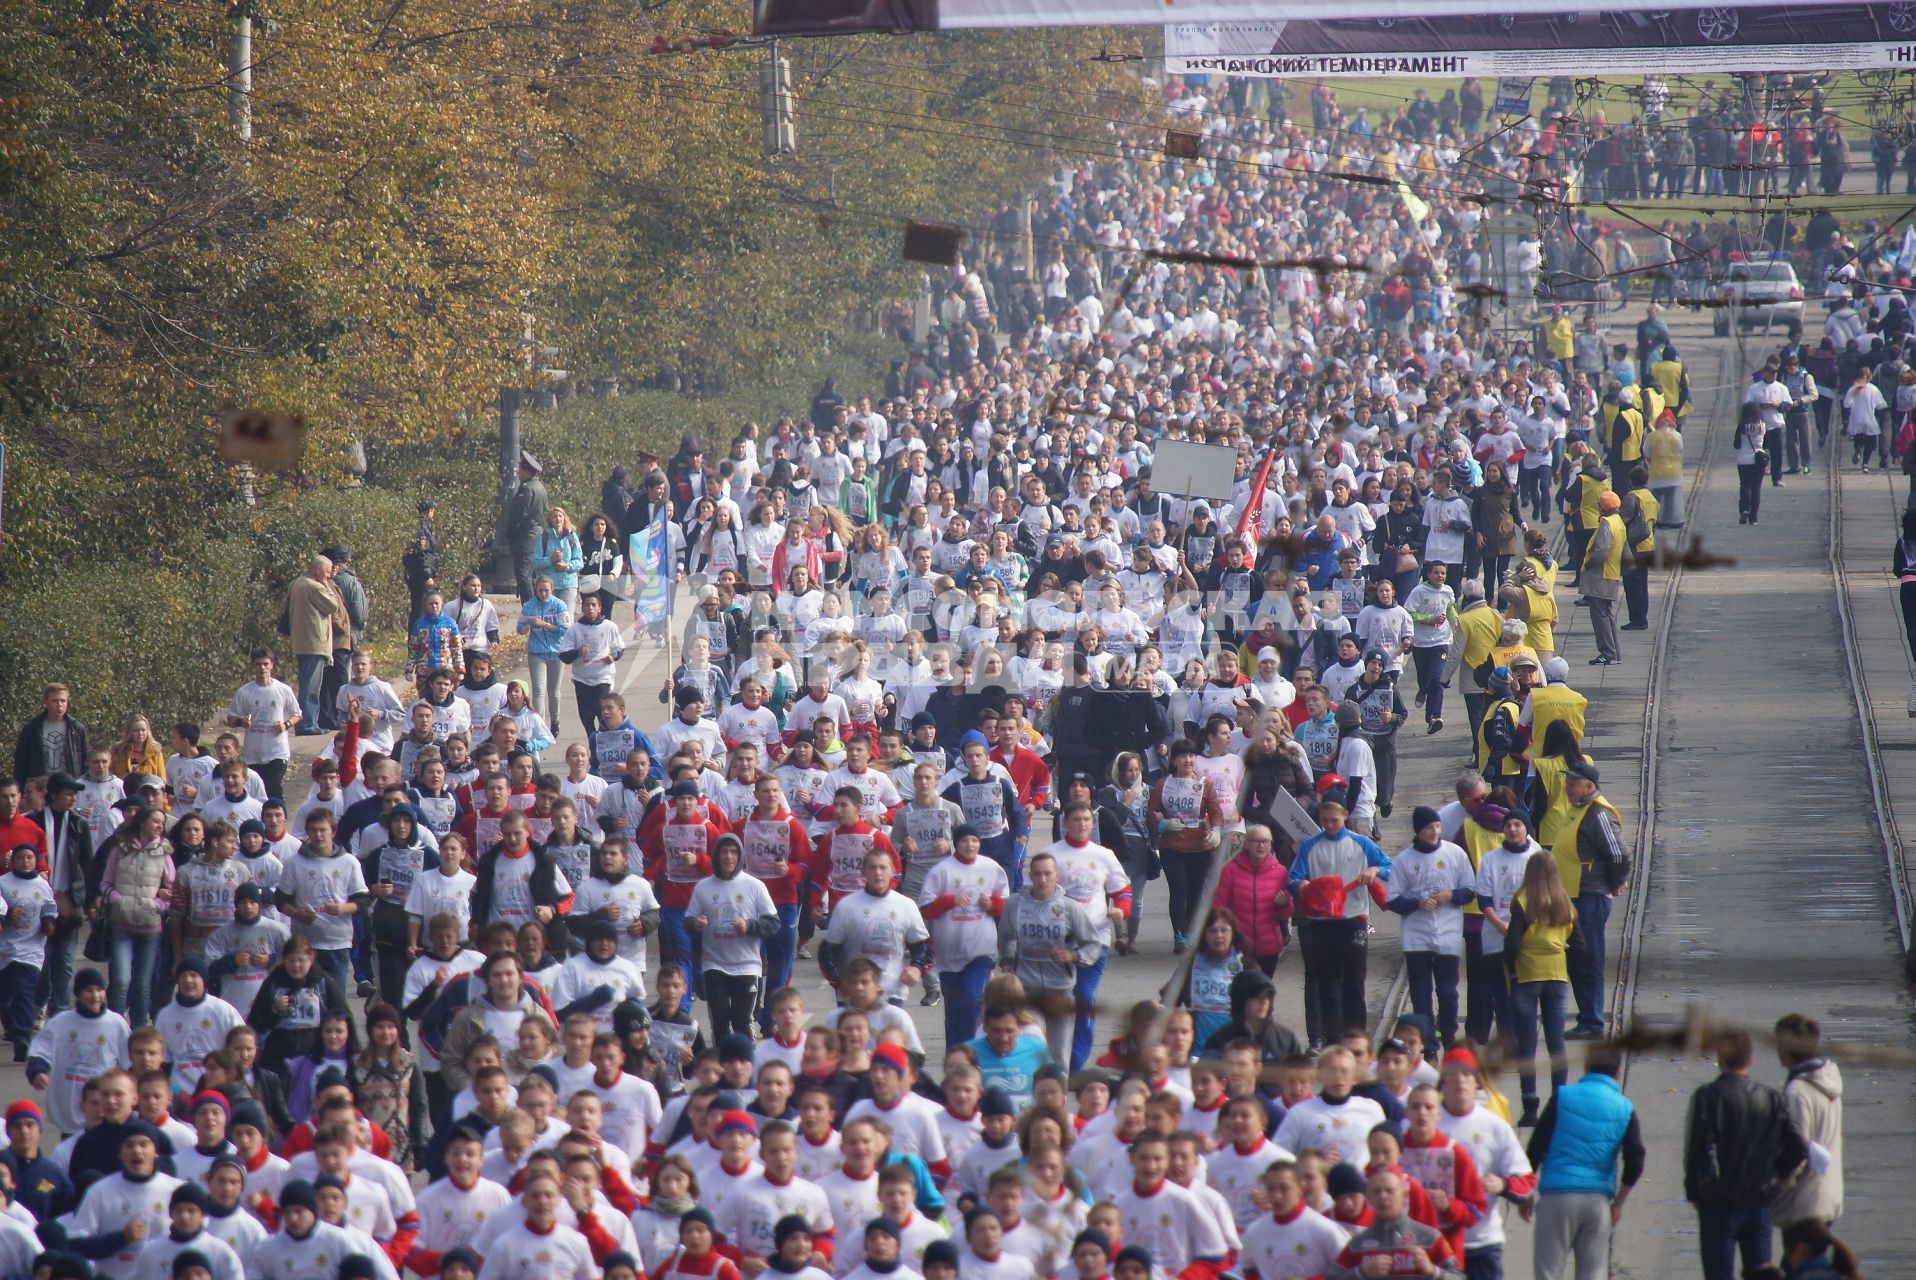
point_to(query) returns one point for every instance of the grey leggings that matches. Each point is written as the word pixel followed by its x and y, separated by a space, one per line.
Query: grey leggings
pixel 545 676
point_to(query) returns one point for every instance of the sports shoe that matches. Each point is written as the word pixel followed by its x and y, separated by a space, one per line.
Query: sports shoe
pixel 1584 1033
pixel 1804 470
pixel 1435 726
pixel 1420 697
pixel 366 990
pixel 1180 944
pixel 932 998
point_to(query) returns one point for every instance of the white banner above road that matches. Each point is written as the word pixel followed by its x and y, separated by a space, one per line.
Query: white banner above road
pixel 831 17
pixel 1530 41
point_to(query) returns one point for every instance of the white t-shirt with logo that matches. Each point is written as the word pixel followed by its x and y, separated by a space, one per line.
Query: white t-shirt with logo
pixel 879 928
pixel 314 882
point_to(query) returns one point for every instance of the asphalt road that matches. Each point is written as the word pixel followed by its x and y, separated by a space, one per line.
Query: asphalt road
pixel 1768 890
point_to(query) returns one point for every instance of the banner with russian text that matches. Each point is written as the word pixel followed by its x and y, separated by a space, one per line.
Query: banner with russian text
pixel 839 17
pixel 1526 41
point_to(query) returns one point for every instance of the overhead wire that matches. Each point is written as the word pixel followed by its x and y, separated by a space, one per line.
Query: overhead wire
pixel 1104 147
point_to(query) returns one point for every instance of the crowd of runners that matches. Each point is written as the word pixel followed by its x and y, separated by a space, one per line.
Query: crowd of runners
pixel 953 684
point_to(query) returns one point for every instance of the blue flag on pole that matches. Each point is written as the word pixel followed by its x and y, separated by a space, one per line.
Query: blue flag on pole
pixel 651 576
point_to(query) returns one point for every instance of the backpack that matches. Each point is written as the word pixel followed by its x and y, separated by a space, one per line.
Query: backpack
pixel 1636 526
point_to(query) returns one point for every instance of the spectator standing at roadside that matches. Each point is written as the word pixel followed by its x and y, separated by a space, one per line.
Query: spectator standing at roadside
pixel 1585 1129
pixel 1740 1148
pixel 1814 1095
pixel 420 563
pixel 352 595
pixel 525 519
pixel 53 741
pixel 1595 868
pixel 315 615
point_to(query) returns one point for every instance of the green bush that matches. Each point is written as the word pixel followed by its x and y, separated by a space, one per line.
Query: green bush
pixel 375 524
pixel 169 643
pixel 168 638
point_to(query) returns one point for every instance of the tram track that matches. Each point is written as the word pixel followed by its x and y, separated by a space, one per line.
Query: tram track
pixel 1630 944
pixel 1858 684
pixel 1623 991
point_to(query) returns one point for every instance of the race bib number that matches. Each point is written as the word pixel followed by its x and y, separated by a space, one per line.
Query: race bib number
pixel 768 847
pixel 984 806
pixel 682 839
pixel 1182 799
pixel 400 867
pixel 927 827
pixel 848 860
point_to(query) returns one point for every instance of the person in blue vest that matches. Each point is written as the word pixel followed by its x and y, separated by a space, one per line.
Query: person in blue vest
pixel 1585 1129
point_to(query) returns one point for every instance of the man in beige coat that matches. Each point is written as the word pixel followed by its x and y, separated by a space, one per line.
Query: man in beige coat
pixel 1814 1095
pixel 315 614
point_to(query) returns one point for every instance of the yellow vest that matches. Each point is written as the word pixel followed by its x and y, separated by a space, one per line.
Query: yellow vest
pixel 1561 336
pixel 1544 955
pixel 1477 840
pixel 1478 628
pixel 1564 848
pixel 1503 653
pixel 1612 568
pixel 1669 376
pixel 1651 509
pixel 1553 702
pixel 1551 771
pixel 1589 489
pixel 1540 626
pixel 1664 449
pixel 1631 450
pixel 1513 765
pixel 1654 402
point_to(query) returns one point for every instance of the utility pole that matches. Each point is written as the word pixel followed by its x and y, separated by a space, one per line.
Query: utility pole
pixel 1025 247
pixel 509 399
pixel 775 104
pixel 239 76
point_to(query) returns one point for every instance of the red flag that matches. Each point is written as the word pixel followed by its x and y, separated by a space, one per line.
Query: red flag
pixel 1252 520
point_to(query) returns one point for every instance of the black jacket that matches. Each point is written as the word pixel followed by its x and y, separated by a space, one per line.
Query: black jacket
pixel 1127 720
pixel 1276 1040
pixel 30 759
pixel 1072 727
pixel 545 884
pixel 1739 1144
pixel 1600 850
pixel 81 873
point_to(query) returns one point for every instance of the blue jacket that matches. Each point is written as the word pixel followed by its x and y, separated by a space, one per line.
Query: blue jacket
pixel 1593 1115
pixel 611 746
pixel 544 644
pixel 571 555
pixel 1334 857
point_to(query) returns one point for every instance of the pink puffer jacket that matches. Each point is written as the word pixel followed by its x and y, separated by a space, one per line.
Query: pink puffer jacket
pixel 1254 892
